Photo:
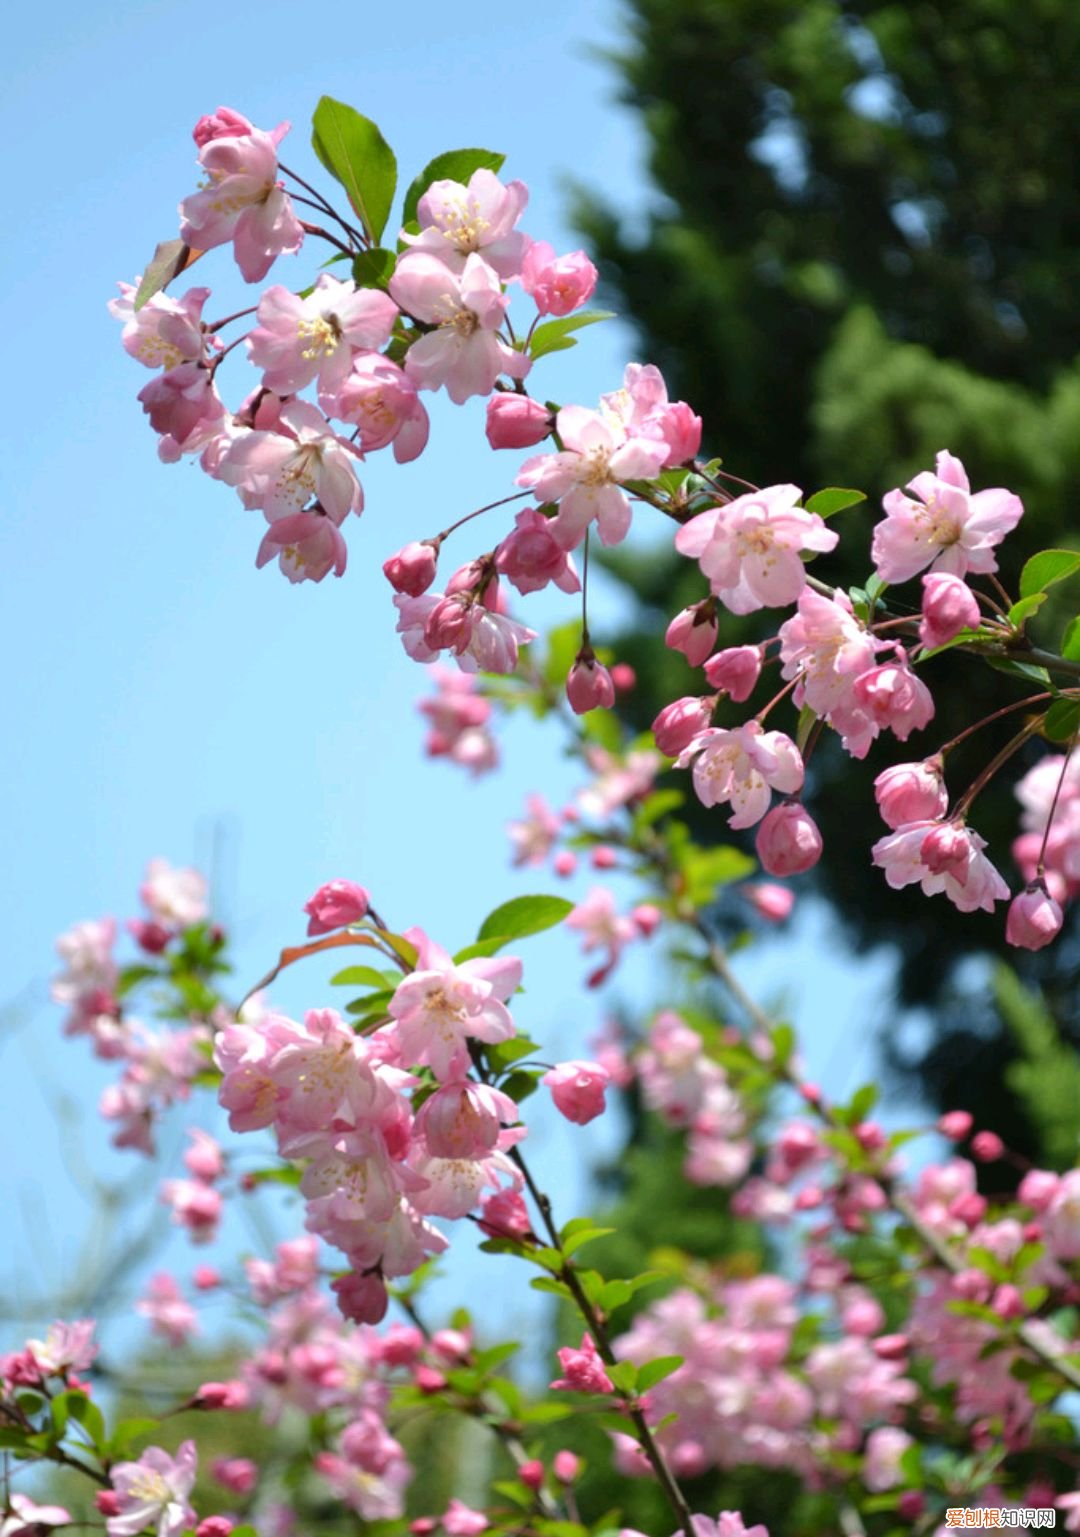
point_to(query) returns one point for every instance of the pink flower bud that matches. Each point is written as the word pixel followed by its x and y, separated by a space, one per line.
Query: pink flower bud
pixel 151 937
pixel 891 1347
pixel 504 1215
pixel 222 1395
pixel 205 1278
pixel 969 1208
pixel 680 428
pixel 955 1124
pixel 336 905
pixel 603 857
pixel 584 1369
pixel 362 1298
pixel 1007 1302
pixel 558 285
pixel 107 1502
pixel 624 677
pixel 452 1344
pixel 589 686
pixel 566 1467
pixel 911 1505
pixel 214 1526
pixel 564 863
pixel 1034 920
pixel 680 722
pixel 769 901
pixel 788 841
pixel 693 632
pixel 237 1474
pixel 428 1380
pixel 532 1473
pixel 987 1146
pixel 1038 1188
pixel 946 850
pixel 412 569
pixel 911 792
pixel 948 606
pixel 222 124
pixel 516 421
pixel 646 919
pixel 578 1090
pixel 735 671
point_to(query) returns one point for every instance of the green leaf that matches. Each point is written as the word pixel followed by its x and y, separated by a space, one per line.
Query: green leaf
pixel 834 499
pixel 623 1375
pixel 1070 641
pixel 1062 719
pixel 353 150
pixel 655 1371
pixel 126 1434
pixel 481 950
pixel 614 1294
pixel 370 1003
pixel 520 1085
pixel 169 259
pixel 505 1053
pixel 554 335
pixel 807 721
pixel 1031 672
pixel 361 976
pixel 375 268
pixel 524 915
pixel 546 1283
pixel 1046 568
pixel 453 165
pixel 1022 611
pixel 704 870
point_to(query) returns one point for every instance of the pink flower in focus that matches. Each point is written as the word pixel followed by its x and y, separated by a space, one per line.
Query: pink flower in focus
pixel 307 546
pixel 242 201
pixel 458 220
pixel 530 557
pixel 184 410
pixel 743 766
pixel 165 332
pixel 693 632
pixel 440 1007
pixel 381 400
pixel 589 686
pixel 578 1090
pixel 412 570
pixel 481 639
pixel 788 841
pixel 584 1369
pixel 303 460
pixel 584 476
pixel 463 1119
pixel 750 549
pixel 464 352
pixel 942 525
pixel 335 906
pixel 963 872
pixel 642 409
pixel 911 792
pixel 1034 919
pixel 735 671
pixel 154 1492
pixel 681 723
pixel 558 285
pixel 892 698
pixel 517 421
pixel 298 340
pixel 948 606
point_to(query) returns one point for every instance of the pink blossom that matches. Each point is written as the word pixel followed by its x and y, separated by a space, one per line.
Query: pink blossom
pixel 215 1526
pixel 769 901
pixel 1034 919
pixel 584 477
pixel 742 766
pixel 154 1492
pixel 517 421
pixel 225 123
pixel 177 898
pixel 307 546
pixel 374 1496
pixel 412 569
pixel 461 1521
pixel 380 400
pixel 942 525
pixel 749 549
pixel 298 340
pixel 243 200
pixel 727 1524
pixel 67 1347
pixel 885 1447
pixel 956 1124
pixel 504 1215
pixel 28 1519
pixel 335 905
pixel 558 285
pixel 966 876
pixel 195 1205
pixel 481 639
pixel 987 1147
pixel 362 1298
pixel 892 698
pixel 911 792
pixel 282 471
pixel 165 332
pixel 577 1089
pixel 530 557
pixel 735 671
pixel 237 1474
pixel 643 410
pixel 222 1395
pixel 458 715
pixel 170 1316
pixel 584 1369
pixel 948 606
pixel 440 1007
pixel 463 1119
pixel 827 650
pixel 693 631
pixel 602 928
pixel 681 723
pixel 457 220
pixel 788 841
pixel 589 686
pixel 184 410
pixel 464 352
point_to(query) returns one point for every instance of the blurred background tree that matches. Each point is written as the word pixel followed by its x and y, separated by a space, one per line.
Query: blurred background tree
pixel 864 248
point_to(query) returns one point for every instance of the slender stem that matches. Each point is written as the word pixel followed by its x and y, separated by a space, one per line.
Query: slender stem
pixel 327 207
pixel 1040 869
pixel 775 700
pixel 585 592
pixel 218 324
pixel 997 761
pixel 595 1325
pixel 1017 704
pixel 517 496
pixel 317 229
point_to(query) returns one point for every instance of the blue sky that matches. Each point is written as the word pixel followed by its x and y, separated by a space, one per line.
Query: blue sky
pixel 163 696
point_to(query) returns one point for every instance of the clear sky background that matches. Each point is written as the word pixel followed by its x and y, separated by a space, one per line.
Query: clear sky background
pixel 163 696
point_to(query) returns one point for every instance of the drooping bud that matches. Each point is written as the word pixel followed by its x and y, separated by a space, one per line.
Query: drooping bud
pixel 735 670
pixel 412 569
pixel 788 841
pixel 589 686
pixel 1034 919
